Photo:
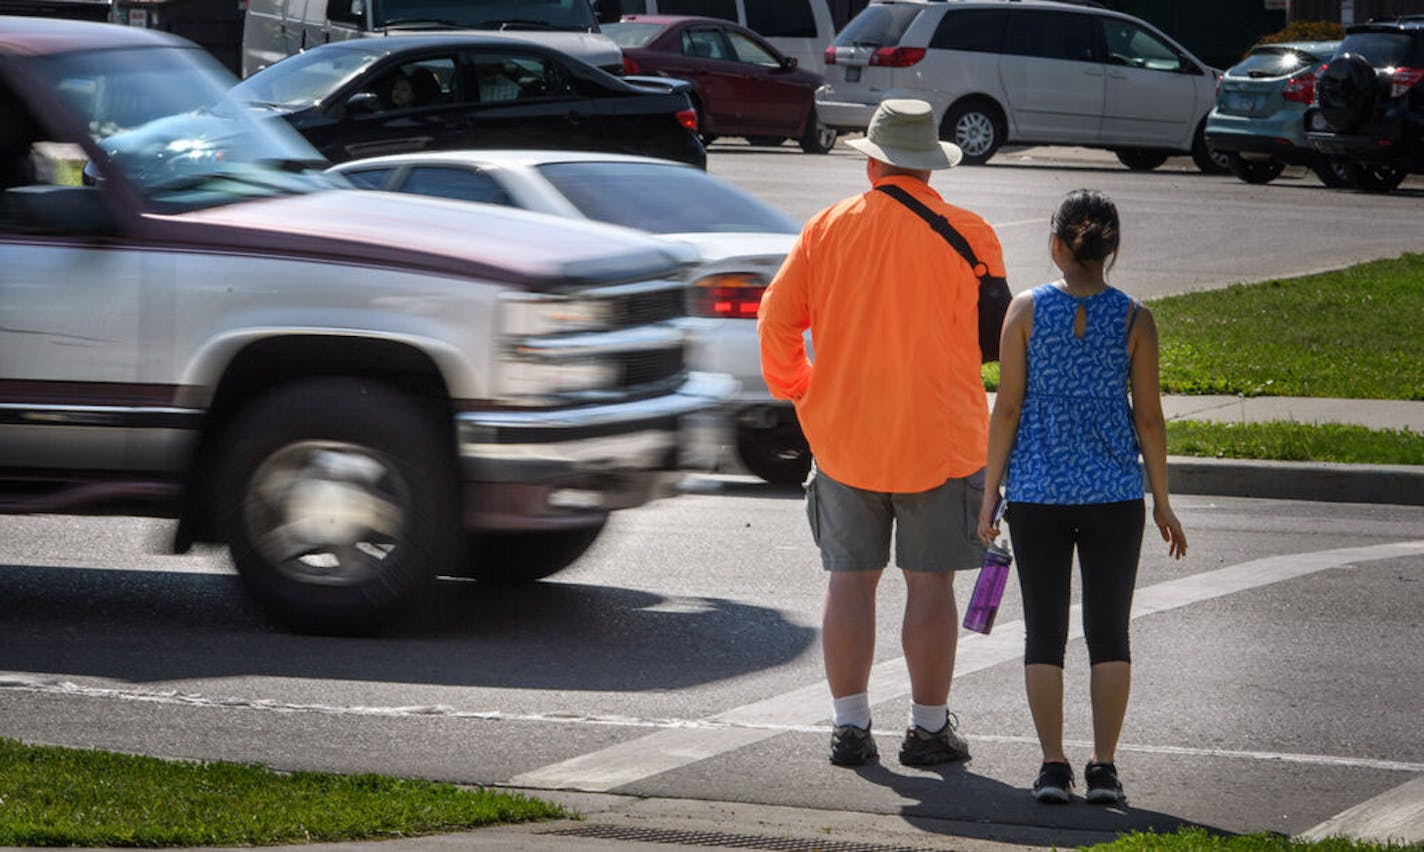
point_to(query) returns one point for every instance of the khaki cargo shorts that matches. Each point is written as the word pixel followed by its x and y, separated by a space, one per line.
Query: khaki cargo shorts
pixel 934 530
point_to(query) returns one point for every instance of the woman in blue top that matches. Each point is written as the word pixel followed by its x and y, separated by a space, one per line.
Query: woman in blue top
pixel 1065 438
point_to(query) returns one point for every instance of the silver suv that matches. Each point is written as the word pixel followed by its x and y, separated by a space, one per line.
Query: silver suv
pixel 1025 72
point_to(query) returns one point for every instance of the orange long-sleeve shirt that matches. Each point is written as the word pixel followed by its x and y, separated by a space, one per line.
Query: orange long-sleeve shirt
pixel 894 400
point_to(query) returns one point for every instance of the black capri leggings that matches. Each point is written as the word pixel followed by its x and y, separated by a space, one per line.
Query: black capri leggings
pixel 1108 537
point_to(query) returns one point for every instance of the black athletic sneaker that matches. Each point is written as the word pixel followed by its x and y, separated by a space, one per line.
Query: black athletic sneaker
pixel 926 748
pixel 1054 783
pixel 852 746
pixel 1102 783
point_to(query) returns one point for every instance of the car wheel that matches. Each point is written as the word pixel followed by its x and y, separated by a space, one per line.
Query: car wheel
pixel 523 557
pixel 1332 172
pixel 1346 92
pixel 1207 160
pixel 766 141
pixel 775 455
pixel 817 137
pixel 1254 171
pixel 338 501
pixel 976 127
pixel 1373 177
pixel 1140 159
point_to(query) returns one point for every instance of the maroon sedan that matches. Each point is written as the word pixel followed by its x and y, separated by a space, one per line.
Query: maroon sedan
pixel 742 86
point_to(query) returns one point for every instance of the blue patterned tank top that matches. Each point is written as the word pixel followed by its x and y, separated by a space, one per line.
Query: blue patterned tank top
pixel 1076 441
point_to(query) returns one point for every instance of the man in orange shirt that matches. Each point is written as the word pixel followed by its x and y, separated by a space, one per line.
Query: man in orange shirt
pixel 895 412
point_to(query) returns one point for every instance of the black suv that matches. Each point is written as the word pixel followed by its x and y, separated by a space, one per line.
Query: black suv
pixel 1369 103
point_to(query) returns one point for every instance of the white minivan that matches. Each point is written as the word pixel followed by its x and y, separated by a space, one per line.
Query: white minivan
pixel 799 28
pixel 1038 72
pixel 274 29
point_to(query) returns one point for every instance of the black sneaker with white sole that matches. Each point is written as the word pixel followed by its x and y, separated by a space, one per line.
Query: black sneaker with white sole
pixel 1103 786
pixel 928 748
pixel 852 746
pixel 1054 784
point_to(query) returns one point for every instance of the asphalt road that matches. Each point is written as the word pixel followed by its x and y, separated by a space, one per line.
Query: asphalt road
pixel 1277 678
pixel 1182 230
pixel 1279 668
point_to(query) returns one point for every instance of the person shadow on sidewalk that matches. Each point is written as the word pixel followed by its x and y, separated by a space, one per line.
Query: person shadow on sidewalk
pixel 954 800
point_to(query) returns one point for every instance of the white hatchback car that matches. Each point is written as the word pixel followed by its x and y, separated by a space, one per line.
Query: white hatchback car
pixel 741 241
pixel 1047 72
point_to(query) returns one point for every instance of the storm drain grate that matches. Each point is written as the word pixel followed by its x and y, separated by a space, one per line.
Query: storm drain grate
pixel 727 841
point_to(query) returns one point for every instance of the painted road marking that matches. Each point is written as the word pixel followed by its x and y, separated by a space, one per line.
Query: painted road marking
pixel 626 763
pixel 20 682
pixel 1395 815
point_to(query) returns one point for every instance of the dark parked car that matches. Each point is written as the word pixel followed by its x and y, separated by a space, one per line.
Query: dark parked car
pixel 742 86
pixel 1259 119
pixel 1370 100
pixel 366 97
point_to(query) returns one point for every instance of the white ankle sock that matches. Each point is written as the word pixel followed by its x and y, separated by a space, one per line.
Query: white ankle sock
pixel 852 710
pixel 931 717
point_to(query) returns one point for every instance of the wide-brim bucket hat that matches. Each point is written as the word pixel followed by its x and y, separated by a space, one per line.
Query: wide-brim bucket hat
pixel 902 133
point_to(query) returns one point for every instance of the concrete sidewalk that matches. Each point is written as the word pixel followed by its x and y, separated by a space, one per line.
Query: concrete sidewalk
pixel 1340 483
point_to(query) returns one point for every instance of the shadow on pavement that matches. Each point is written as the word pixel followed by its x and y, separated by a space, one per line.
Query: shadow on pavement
pixel 145 626
pixel 953 800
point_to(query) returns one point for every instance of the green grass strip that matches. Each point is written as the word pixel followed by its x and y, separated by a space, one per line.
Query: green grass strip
pixel 1291 441
pixel 1199 840
pixel 53 796
pixel 1356 333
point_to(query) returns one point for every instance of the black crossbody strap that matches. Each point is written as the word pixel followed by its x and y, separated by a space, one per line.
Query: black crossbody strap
pixel 941 226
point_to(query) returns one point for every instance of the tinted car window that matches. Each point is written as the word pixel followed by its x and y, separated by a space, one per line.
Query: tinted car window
pixel 369 178
pixel 670 199
pixel 783 18
pixel 1050 35
pixel 1272 62
pixel 454 182
pixel 486 14
pixel 1129 44
pixel 979 30
pixel 724 9
pixel 878 26
pixel 1383 50
pixel 346 11
pixel 707 44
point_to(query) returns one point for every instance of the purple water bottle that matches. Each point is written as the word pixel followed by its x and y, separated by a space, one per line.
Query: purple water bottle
pixel 989 588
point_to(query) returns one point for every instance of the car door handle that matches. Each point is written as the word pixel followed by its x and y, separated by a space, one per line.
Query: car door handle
pixel 1093 72
pixel 1117 75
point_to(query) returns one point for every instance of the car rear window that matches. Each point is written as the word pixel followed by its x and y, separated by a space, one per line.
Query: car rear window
pixel 670 199
pixel 1272 62
pixel 1385 50
pixel 980 30
pixel 724 9
pixel 781 18
pixel 878 26
pixel 631 33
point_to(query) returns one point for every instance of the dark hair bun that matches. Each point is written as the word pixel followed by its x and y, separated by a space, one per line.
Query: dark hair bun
pixel 1087 221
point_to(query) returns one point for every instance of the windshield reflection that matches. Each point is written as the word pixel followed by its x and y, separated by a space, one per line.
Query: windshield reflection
pixel 165 119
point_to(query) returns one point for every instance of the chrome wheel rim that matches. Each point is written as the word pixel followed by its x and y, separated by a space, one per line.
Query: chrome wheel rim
pixel 974 134
pixel 326 512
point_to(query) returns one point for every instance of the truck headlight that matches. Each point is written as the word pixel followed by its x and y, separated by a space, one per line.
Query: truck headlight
pixel 538 314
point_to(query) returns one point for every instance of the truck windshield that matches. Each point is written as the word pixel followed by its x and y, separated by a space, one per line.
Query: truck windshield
pixel 574 15
pixel 164 118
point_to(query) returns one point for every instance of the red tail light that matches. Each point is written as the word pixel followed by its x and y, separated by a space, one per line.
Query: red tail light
pixel 688 118
pixel 1404 80
pixel 897 57
pixel 1300 88
pixel 829 57
pixel 728 295
pixel 630 65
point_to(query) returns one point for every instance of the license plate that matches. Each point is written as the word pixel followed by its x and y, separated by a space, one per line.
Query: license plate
pixel 1240 102
pixel 853 74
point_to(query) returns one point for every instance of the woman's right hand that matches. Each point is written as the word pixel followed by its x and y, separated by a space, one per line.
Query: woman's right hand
pixel 988 530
